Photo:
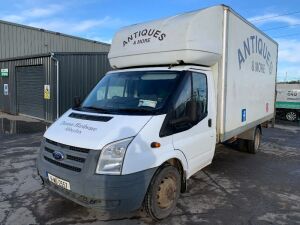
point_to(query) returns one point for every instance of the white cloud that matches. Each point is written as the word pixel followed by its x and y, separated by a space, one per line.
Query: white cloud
pixel 43 17
pixel 13 18
pixel 272 17
pixel 33 13
pixel 105 22
pixel 101 39
pixel 47 17
pixel 289 50
pixel 43 12
pixel 289 59
pixel 75 27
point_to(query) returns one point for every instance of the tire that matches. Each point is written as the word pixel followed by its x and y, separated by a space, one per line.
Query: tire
pixel 291 116
pixel 163 193
pixel 242 145
pixel 253 145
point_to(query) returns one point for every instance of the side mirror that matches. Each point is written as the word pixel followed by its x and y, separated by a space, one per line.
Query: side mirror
pixel 77 102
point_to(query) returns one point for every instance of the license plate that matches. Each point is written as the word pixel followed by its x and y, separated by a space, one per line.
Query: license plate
pixel 59 182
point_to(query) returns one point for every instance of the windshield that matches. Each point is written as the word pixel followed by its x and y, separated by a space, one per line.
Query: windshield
pixel 135 92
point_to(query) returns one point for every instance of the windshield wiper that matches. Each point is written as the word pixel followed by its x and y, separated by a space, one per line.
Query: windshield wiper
pixel 137 109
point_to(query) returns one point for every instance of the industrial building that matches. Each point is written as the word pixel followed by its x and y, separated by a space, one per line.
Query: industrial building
pixel 42 71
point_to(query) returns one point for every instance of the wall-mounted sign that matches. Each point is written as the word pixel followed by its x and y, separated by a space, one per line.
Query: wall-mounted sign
pixel 5 89
pixel 4 72
pixel 46 91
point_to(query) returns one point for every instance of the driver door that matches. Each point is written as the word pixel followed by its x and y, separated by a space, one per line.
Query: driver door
pixel 197 142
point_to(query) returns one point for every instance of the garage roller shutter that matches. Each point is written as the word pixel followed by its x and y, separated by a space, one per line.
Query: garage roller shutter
pixel 30 90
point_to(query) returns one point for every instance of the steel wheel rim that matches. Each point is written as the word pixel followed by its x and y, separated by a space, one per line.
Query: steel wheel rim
pixel 166 194
pixel 257 140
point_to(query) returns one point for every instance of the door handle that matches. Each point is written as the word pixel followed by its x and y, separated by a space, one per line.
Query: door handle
pixel 209 122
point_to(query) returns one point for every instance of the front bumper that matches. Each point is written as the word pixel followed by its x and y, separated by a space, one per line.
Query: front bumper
pixel 112 193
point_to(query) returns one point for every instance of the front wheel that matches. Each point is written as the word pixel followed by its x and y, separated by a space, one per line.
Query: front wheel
pixel 163 193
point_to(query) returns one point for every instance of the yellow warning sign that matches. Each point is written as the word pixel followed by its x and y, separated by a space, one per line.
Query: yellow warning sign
pixel 46 91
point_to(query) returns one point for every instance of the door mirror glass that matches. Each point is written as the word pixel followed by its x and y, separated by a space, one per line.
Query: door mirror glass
pixel 76 102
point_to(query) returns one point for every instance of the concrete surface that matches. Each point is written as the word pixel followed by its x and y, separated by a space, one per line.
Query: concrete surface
pixel 237 188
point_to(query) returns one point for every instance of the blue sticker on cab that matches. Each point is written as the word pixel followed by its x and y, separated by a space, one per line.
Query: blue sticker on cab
pixel 243 115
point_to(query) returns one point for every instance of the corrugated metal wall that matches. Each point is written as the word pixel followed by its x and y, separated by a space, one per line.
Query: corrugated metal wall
pixel 79 73
pixel 18 40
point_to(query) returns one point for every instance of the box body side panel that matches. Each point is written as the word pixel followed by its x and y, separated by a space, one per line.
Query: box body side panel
pixel 250 77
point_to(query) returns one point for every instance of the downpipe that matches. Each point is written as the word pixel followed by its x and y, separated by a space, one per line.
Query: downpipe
pixel 57 83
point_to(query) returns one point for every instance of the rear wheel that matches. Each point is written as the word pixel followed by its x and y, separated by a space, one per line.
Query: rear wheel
pixel 253 145
pixel 163 193
pixel 291 116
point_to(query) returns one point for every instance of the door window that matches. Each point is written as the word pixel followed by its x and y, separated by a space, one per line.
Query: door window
pixel 192 91
pixel 200 94
pixel 184 96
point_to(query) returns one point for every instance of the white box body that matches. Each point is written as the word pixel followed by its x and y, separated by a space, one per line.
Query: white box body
pixel 243 60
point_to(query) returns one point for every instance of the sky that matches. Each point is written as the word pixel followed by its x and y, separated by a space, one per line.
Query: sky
pixel 100 19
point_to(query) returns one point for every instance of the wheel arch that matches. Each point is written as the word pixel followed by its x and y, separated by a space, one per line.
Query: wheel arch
pixel 260 128
pixel 179 161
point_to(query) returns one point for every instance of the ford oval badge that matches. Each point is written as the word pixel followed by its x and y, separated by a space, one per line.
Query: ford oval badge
pixel 58 155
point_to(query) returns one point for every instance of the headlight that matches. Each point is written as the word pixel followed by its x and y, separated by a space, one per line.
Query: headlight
pixel 111 157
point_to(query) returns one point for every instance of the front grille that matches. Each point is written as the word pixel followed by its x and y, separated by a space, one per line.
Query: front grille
pixel 66 166
pixel 51 142
pixel 83 150
pixel 70 157
pixel 49 150
pixel 73 148
pixel 74 157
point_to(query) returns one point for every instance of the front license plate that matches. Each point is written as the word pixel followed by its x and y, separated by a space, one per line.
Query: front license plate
pixel 59 182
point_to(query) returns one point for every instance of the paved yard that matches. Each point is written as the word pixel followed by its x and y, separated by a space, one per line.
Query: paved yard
pixel 237 188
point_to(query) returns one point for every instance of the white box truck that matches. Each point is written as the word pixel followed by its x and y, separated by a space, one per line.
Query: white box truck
pixel 180 85
pixel 288 101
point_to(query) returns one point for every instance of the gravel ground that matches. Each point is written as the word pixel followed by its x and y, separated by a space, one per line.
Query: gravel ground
pixel 237 188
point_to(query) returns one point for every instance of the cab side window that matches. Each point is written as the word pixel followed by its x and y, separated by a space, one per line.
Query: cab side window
pixel 194 89
pixel 184 96
pixel 189 105
pixel 200 94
